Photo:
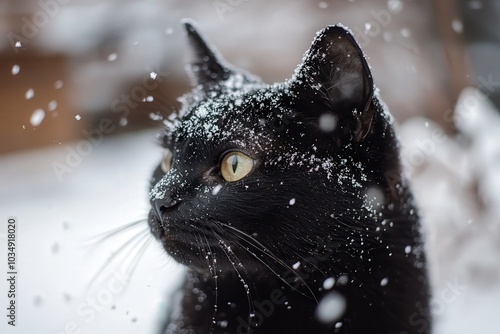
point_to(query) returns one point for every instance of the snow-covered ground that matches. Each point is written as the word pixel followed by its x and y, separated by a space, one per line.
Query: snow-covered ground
pixel 58 255
pixel 456 181
pixel 457 184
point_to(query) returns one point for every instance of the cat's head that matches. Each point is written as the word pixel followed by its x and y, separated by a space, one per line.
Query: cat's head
pixel 252 169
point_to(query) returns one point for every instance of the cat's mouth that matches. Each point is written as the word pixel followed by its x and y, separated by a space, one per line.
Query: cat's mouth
pixel 178 228
pixel 197 243
pixel 185 239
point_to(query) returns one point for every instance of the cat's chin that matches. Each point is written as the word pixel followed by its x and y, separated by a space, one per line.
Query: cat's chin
pixel 187 245
pixel 198 248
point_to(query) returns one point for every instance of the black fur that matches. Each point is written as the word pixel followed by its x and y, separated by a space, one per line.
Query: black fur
pixel 325 199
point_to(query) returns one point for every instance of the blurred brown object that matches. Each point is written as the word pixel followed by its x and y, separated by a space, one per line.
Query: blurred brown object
pixel 41 84
pixel 416 49
pixel 448 19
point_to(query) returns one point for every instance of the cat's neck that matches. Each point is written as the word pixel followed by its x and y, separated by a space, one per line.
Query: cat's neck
pixel 262 302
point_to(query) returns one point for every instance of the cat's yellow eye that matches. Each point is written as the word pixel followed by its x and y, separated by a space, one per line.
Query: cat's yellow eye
pixel 166 162
pixel 235 166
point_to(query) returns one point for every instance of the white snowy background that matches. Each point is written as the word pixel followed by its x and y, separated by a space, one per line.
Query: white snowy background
pixel 456 181
pixel 62 286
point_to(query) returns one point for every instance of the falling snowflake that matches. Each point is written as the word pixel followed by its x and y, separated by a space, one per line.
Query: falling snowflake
pixel 15 69
pixel 112 57
pixel 328 283
pixel 37 117
pixel 29 94
pixel 58 84
pixel 52 105
pixel 331 307
pixel 327 122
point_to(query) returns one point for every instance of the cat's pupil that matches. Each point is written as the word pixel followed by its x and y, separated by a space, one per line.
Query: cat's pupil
pixel 235 166
pixel 234 163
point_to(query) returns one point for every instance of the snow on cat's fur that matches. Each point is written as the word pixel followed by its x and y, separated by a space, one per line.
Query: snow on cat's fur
pixel 320 233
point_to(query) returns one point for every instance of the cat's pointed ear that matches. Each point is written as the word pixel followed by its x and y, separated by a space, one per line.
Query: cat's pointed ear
pixel 336 66
pixel 207 65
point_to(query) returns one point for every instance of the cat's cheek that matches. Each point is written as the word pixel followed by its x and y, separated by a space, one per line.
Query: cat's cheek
pixel 191 256
pixel 155 225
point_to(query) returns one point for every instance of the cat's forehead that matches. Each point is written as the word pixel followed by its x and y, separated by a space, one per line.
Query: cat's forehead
pixel 220 116
pixel 230 114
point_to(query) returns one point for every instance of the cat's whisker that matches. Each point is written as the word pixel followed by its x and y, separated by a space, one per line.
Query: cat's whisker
pixel 316 268
pixel 210 254
pixel 276 274
pixel 213 269
pixel 132 242
pixel 97 239
pixel 227 250
pixel 138 256
pixel 277 260
pixel 255 243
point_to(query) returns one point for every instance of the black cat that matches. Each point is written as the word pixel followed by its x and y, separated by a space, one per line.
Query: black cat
pixel 286 201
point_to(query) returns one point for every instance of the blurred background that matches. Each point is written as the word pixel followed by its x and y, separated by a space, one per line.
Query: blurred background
pixel 84 86
pixel 64 58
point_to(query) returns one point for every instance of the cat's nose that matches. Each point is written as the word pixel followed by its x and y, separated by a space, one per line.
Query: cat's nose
pixel 160 206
